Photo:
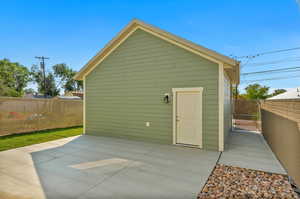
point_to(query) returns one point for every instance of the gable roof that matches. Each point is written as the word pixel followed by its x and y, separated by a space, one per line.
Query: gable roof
pixel 183 43
pixel 291 94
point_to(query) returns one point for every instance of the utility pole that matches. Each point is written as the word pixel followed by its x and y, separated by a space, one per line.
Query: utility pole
pixel 42 63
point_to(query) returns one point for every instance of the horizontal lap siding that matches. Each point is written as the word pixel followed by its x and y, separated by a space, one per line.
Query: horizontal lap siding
pixel 126 90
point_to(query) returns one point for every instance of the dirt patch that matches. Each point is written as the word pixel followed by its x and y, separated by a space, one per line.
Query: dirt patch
pixel 248 125
pixel 235 182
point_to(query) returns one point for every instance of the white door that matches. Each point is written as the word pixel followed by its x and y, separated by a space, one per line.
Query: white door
pixel 189 118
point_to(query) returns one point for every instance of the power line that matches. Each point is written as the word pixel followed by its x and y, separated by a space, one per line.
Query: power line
pixel 247 62
pixel 278 70
pixel 291 69
pixel 42 63
pixel 267 52
pixel 271 79
pixel 293 59
pixel 288 71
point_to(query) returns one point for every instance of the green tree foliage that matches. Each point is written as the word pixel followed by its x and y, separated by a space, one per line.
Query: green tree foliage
pixel 13 78
pixel 29 91
pixel 277 92
pixel 235 91
pixel 50 89
pixel 61 77
pixel 256 92
pixel 65 76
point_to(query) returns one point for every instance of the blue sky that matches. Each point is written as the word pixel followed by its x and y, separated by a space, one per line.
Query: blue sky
pixel 72 32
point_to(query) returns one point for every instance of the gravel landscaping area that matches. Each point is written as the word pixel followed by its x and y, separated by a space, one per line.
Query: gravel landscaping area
pixel 234 182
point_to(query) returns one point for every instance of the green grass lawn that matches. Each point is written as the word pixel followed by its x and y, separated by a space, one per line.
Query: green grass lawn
pixel 25 139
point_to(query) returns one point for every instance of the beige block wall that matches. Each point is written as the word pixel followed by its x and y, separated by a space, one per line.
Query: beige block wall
pixel 281 129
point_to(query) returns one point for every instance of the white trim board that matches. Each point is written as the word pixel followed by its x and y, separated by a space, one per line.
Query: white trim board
pixel 174 91
pixel 221 107
pixel 84 102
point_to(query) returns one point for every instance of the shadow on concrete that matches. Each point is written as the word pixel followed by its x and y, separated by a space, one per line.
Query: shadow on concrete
pixel 103 167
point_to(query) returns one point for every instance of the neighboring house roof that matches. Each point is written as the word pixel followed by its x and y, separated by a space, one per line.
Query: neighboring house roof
pixel 30 95
pixel 68 97
pixel 74 93
pixel 78 94
pixel 291 94
pixel 134 25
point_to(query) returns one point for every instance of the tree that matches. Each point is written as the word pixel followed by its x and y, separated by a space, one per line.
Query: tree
pixel 235 92
pixel 61 77
pixel 256 92
pixel 65 76
pixel 7 91
pixel 50 89
pixel 278 91
pixel 29 91
pixel 13 78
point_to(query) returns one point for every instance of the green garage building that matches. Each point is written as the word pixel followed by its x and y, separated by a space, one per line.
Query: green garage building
pixel 149 85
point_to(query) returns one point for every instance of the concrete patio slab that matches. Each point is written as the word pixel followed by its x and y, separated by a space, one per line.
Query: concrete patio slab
pixel 250 150
pixel 103 167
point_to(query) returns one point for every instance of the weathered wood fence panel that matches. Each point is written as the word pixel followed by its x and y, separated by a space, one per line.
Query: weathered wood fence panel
pixel 246 109
pixel 19 115
pixel 281 129
pixel 246 115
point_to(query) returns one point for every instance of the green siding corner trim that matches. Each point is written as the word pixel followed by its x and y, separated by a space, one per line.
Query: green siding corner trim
pixel 126 90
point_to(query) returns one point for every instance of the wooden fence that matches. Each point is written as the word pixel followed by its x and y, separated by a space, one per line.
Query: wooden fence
pixel 19 115
pixel 246 115
pixel 246 109
pixel 281 129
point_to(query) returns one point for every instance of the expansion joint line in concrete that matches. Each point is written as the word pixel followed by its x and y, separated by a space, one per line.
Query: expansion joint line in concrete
pixel 105 179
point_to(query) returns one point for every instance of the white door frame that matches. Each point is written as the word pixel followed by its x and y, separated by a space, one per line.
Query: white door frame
pixel 175 90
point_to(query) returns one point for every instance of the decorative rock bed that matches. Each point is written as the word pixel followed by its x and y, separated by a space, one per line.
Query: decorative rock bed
pixel 234 182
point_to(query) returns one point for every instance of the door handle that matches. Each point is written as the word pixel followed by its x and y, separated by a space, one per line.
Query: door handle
pixel 177 118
